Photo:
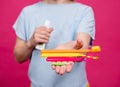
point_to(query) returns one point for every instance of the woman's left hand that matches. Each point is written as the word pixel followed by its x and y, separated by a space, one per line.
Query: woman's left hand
pixel 69 65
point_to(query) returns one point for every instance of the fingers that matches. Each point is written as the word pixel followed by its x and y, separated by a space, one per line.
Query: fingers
pixel 62 69
pixel 78 45
pixel 42 37
pixel 69 66
pixel 50 30
pixel 57 69
pixel 53 67
pixel 42 34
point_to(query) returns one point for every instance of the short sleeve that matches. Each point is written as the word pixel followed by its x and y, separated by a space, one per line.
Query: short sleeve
pixel 19 26
pixel 87 23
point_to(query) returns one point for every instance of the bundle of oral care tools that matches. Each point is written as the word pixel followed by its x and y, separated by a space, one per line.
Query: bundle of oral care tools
pixel 60 56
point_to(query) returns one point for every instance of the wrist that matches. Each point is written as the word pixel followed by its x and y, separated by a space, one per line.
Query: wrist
pixel 30 45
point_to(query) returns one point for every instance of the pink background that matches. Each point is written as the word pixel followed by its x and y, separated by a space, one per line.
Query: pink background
pixel 102 73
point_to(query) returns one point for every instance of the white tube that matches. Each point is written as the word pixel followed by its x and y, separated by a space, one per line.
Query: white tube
pixel 41 46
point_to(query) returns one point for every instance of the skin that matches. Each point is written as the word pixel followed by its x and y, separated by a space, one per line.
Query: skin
pixel 23 49
pixel 82 42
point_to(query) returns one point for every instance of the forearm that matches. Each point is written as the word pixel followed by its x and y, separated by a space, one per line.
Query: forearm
pixel 23 51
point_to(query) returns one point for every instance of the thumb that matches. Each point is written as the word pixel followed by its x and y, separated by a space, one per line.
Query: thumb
pixel 79 44
pixel 50 30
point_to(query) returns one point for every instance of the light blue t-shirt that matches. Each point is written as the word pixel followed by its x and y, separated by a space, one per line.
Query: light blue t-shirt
pixel 66 20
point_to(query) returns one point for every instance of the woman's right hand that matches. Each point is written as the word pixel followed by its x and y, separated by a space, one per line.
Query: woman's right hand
pixel 40 35
pixel 23 50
